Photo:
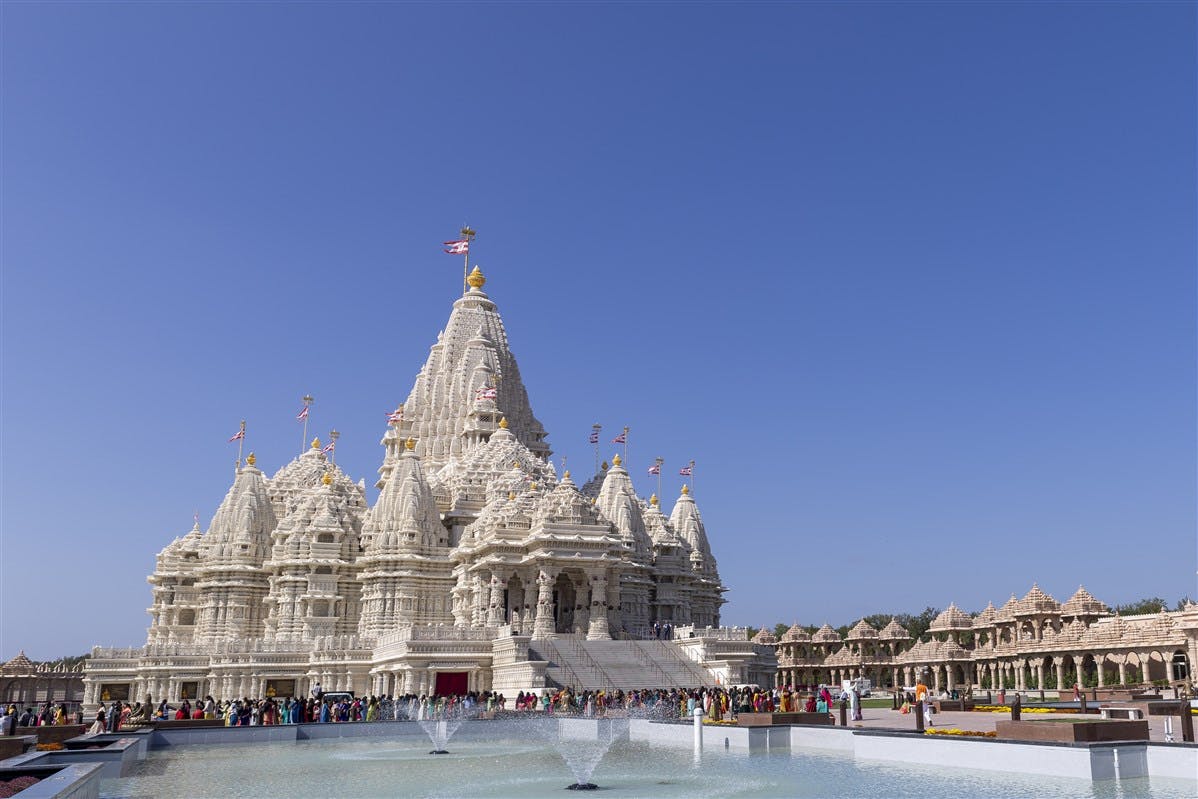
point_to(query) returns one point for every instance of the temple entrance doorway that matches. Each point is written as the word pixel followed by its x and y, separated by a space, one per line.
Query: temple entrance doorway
pixel 450 682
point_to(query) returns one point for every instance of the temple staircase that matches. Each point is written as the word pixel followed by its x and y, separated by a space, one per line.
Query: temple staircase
pixel 581 664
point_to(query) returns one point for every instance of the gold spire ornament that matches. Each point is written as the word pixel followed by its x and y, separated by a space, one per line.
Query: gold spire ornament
pixel 685 489
pixel 653 500
pixel 316 443
pixel 617 460
pixel 410 444
pixel 251 459
pixel 476 279
pixel 503 423
pixel 511 495
pixel 327 478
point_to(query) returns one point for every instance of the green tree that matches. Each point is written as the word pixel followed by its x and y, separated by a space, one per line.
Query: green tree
pixel 1153 604
pixel 780 629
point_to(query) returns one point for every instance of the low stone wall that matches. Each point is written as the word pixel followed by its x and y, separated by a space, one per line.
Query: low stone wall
pixel 53 733
pixel 1072 731
pixel 13 745
pixel 771 719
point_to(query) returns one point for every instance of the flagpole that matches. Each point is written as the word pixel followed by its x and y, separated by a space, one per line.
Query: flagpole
pixel 626 444
pixel 659 461
pixel 333 434
pixel 692 477
pixel 307 399
pixel 240 442
pixel 595 428
pixel 468 234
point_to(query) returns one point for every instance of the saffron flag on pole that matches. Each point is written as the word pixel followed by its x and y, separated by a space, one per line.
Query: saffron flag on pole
pixel 655 469
pixel 620 439
pixel 460 247
pixel 238 436
pixel 302 415
pixel 594 437
pixel 687 471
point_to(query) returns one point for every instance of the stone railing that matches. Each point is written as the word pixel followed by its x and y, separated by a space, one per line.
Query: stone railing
pixel 717 633
pixel 438 632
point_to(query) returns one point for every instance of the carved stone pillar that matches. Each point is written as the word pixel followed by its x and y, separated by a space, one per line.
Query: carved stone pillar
pixel 1100 662
pixel 1123 671
pixel 1077 667
pixel 1060 666
pixel 614 623
pixel 495 615
pixel 597 629
pixel 582 606
pixel 544 626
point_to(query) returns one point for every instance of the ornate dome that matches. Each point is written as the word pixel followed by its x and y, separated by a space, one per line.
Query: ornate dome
pixel 894 631
pixel 951 618
pixel 862 630
pixel 1036 602
pixel 826 635
pixel 1083 603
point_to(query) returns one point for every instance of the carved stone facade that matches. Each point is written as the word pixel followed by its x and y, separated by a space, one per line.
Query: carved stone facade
pixel 1029 643
pixel 27 684
pixel 473 539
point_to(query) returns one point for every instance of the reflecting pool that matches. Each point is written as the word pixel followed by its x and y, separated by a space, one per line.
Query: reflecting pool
pixel 481 766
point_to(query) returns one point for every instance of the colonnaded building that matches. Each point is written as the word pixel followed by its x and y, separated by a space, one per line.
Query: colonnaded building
pixel 477 568
pixel 1029 643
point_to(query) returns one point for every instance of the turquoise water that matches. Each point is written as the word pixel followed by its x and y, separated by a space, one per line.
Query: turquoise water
pixel 382 767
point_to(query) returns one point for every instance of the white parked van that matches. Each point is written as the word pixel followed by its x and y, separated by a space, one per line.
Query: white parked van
pixel 863 686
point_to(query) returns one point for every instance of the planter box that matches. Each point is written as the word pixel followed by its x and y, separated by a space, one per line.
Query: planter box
pixel 1072 731
pixel 57 781
pixel 13 745
pixel 942 705
pixel 187 724
pixel 53 733
pixel 772 719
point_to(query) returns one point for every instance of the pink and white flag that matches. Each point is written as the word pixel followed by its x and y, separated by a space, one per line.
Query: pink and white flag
pixel 486 393
pixel 395 416
pixel 620 439
pixel 460 247
pixel 687 471
pixel 302 415
pixel 238 436
pixel 329 447
pixel 655 469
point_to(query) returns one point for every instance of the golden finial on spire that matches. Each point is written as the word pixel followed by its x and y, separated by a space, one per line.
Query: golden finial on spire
pixel 685 489
pixel 503 423
pixel 532 486
pixel 476 279
pixel 617 460
pixel 316 443
pixel 410 444
pixel 327 478
pixel 511 495
pixel 653 500
pixel 251 459
pixel 566 476
pixel 604 467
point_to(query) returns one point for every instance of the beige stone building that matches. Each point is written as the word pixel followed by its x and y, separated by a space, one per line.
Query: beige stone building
pixel 26 684
pixel 478 567
pixel 1029 643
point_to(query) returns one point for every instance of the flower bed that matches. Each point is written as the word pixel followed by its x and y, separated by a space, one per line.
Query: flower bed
pixel 1007 709
pixel 50 747
pixel 955 731
pixel 16 785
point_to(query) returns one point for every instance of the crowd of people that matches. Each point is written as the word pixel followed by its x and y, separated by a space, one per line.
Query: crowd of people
pixel 717 704
pixel 46 715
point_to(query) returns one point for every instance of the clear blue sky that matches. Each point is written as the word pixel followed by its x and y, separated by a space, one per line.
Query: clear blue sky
pixel 913 284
